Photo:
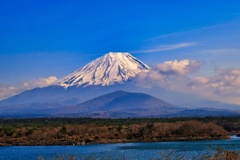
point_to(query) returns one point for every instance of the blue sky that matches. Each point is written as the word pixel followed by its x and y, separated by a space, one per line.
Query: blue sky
pixel 39 39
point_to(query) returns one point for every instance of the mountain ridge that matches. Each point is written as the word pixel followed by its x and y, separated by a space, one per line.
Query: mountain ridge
pixel 138 104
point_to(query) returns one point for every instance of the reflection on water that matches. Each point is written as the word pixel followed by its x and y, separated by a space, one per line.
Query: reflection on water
pixel 115 151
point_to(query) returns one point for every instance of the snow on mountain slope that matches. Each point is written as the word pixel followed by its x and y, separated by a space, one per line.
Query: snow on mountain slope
pixel 114 67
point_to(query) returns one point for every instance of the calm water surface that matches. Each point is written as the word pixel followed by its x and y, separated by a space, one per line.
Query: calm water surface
pixel 117 151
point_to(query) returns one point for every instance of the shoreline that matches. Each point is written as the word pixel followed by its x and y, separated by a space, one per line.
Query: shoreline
pixel 71 143
pixel 46 132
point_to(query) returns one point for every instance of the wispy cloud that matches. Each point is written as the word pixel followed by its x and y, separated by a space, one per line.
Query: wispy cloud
pixel 193 31
pixel 168 47
pixel 8 91
pixel 221 51
pixel 223 86
pixel 38 82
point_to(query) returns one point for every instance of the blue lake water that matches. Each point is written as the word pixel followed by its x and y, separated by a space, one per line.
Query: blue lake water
pixel 118 151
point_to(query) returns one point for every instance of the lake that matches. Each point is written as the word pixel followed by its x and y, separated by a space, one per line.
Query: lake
pixel 119 151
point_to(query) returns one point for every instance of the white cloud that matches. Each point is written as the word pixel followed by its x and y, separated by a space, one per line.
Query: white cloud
pixel 168 47
pixel 8 91
pixel 167 72
pixel 39 82
pixel 225 85
pixel 181 67
pixel 174 76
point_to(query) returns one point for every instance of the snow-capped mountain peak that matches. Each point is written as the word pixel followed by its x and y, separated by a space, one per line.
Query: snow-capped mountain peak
pixel 111 68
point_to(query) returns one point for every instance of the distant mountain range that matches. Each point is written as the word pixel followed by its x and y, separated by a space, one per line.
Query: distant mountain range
pixel 119 104
pixel 95 90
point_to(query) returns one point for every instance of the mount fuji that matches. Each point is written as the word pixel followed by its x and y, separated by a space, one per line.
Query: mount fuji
pixel 114 67
pixel 111 72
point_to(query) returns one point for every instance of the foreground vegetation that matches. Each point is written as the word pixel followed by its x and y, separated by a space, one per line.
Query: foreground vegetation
pixel 80 131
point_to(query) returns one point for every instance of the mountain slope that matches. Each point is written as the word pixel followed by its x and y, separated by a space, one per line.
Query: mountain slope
pixel 114 67
pixel 122 103
pixel 29 110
